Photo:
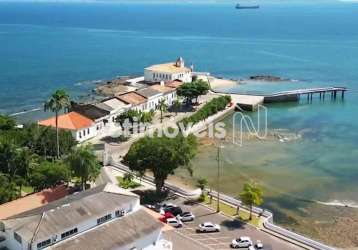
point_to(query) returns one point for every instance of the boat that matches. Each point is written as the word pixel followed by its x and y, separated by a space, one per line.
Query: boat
pixel 239 6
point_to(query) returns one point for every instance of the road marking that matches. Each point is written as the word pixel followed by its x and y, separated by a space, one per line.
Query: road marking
pixel 198 242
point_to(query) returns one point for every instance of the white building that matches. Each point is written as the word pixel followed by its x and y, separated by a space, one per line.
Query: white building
pixel 168 72
pixel 115 107
pixel 104 217
pixel 168 93
pixel 152 97
pixel 81 127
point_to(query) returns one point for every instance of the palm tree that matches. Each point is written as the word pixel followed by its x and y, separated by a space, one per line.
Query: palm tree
pixel 202 183
pixel 176 106
pixel 57 102
pixel 251 195
pixel 84 164
pixel 162 106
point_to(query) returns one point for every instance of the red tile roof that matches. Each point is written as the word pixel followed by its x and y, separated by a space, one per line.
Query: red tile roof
pixel 32 201
pixel 174 84
pixel 71 121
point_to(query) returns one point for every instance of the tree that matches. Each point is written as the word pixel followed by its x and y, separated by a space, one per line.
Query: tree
pixel 202 183
pixel 8 189
pixel 15 162
pixel 251 195
pixel 161 155
pixel 49 174
pixel 56 103
pixel 6 122
pixel 40 140
pixel 130 115
pixel 163 107
pixel 147 117
pixel 193 90
pixel 176 106
pixel 84 164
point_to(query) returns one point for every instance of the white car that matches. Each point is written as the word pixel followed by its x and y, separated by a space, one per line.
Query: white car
pixel 241 242
pixel 208 227
pixel 259 245
pixel 186 216
pixel 174 222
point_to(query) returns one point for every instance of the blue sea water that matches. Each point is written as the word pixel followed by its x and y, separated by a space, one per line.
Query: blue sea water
pixel 46 46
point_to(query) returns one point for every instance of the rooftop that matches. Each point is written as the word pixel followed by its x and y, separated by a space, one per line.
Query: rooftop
pixel 168 68
pixel 115 234
pixel 132 98
pixel 174 84
pixel 162 88
pixel 71 121
pixel 58 216
pixel 32 201
pixel 114 103
pixel 148 92
pixel 90 111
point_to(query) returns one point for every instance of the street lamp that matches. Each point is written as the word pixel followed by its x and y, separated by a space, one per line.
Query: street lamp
pixel 218 178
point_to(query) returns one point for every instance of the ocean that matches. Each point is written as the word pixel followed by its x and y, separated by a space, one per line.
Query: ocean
pixel 46 46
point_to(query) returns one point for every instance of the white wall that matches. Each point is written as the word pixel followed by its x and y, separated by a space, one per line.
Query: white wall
pixel 84 134
pixel 152 76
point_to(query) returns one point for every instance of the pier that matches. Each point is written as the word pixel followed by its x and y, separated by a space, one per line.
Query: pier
pixel 250 102
pixel 295 95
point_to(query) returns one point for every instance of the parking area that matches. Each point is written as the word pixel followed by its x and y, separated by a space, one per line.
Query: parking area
pixel 186 238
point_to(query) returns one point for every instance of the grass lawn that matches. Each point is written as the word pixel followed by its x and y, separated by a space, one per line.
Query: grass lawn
pixel 127 184
pixel 231 211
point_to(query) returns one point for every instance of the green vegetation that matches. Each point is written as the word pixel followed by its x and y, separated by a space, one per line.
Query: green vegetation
pixel 212 107
pixel 127 181
pixel 251 195
pixel 202 184
pixel 135 116
pixel 161 155
pixel 192 90
pixel 26 159
pixel 163 107
pixel 49 174
pixel 56 103
pixel 231 211
pixel 83 164
pixel 176 106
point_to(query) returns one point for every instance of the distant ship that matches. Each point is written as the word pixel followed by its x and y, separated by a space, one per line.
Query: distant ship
pixel 239 6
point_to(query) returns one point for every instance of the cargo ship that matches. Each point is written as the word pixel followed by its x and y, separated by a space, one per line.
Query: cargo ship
pixel 239 6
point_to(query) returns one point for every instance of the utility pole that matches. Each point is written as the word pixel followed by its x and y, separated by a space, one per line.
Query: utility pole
pixel 218 180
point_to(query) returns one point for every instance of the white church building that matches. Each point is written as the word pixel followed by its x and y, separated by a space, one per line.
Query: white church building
pixel 168 72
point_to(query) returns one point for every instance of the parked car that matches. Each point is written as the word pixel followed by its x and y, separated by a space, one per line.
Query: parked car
pixel 241 242
pixel 166 207
pixel 166 216
pixel 259 245
pixel 174 222
pixel 208 227
pixel 251 248
pixel 186 216
pixel 155 207
pixel 174 210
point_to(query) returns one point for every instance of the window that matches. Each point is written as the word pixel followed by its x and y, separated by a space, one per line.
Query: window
pixel 80 134
pixel 17 237
pixel 104 219
pixel 88 131
pixel 84 132
pixel 69 233
pixel 120 213
pixel 43 244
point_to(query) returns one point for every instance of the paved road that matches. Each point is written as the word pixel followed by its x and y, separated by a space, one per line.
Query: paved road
pixel 187 238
